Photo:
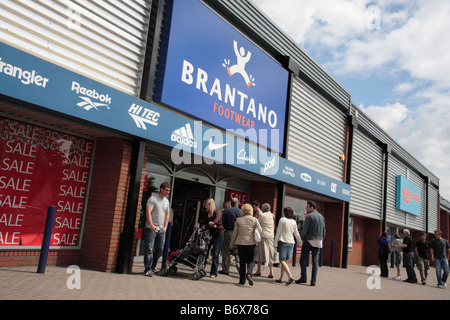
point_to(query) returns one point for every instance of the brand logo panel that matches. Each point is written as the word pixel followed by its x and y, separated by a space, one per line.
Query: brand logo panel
pixel 213 72
pixel 408 196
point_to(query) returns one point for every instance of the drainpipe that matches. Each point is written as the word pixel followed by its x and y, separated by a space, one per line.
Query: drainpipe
pixel 352 123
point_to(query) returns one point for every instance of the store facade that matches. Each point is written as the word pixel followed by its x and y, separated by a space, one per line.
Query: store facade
pixel 232 110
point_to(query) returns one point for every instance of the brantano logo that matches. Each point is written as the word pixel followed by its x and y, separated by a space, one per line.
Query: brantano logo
pixel 249 109
pixel 243 58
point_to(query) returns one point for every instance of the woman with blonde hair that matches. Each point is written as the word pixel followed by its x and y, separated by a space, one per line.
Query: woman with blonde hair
pixel 244 237
pixel 214 221
pixel 284 240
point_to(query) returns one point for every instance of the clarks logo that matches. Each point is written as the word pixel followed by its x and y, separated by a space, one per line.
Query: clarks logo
pixel 408 195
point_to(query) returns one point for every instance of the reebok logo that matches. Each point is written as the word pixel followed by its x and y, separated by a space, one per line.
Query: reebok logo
pixel 184 136
pixel 86 95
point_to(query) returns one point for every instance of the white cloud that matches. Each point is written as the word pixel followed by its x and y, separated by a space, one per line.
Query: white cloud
pixel 410 50
pixel 389 116
pixel 404 87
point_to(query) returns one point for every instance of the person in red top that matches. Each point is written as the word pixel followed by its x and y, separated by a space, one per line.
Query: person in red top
pixel 214 220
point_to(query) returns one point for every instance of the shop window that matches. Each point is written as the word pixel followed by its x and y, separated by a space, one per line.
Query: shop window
pixel 194 174
pixel 159 166
pixel 233 183
pixel 39 168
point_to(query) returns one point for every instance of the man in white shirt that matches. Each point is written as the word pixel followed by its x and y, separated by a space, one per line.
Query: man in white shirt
pixel 157 216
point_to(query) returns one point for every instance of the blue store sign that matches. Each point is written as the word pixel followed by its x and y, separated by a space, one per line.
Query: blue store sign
pixel 213 72
pixel 36 81
pixel 408 196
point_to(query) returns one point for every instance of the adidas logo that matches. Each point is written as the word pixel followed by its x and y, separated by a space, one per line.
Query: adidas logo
pixel 184 136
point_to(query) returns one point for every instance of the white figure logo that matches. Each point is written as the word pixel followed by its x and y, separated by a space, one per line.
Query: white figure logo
pixel 239 67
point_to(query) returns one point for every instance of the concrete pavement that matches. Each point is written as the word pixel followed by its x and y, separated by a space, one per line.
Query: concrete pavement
pixel 353 283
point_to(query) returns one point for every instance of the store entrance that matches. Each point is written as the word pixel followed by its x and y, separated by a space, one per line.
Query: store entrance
pixel 187 200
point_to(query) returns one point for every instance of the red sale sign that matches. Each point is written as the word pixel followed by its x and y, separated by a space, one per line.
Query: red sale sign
pixel 40 167
pixel 241 196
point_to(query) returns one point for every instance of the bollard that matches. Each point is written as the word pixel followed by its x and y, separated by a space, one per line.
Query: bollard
pixel 393 253
pixel 46 239
pixel 332 254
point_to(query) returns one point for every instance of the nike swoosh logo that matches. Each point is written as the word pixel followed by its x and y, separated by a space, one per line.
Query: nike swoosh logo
pixel 214 146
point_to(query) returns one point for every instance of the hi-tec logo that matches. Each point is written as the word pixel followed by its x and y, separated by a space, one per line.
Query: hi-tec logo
pixel 143 116
pixel 86 95
pixel 184 136
pixel 243 57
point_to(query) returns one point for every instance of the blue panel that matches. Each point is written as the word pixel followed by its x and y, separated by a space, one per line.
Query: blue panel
pixel 30 79
pixel 408 196
pixel 213 72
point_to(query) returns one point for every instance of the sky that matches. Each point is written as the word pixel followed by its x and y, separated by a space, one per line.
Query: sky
pixel 392 56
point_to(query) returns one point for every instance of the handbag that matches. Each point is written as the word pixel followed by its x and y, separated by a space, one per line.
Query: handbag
pixel 257 235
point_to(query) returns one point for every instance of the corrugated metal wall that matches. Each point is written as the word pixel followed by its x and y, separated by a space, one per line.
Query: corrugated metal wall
pixel 393 215
pixel 433 209
pixel 366 177
pixel 415 222
pixel 402 218
pixel 316 134
pixel 246 15
pixel 104 40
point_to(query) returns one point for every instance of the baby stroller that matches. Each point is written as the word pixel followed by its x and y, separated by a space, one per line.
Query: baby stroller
pixel 192 255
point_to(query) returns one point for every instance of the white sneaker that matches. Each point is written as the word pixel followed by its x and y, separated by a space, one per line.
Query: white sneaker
pixel 441 286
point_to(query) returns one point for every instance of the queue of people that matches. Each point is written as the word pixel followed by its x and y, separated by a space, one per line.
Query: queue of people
pixel 436 251
pixel 249 233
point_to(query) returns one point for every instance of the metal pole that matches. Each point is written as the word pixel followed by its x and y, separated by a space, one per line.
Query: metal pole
pixel 332 254
pixel 46 239
pixel 294 253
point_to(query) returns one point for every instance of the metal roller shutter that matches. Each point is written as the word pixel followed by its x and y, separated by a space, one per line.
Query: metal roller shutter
pixel 316 134
pixel 415 222
pixel 393 215
pixel 103 40
pixel 366 178
pixel 433 210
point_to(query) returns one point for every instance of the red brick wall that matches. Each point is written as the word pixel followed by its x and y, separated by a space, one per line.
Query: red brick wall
pixel 356 256
pixel 372 233
pixel 334 222
pixel 265 192
pixel 104 217
pixel 107 204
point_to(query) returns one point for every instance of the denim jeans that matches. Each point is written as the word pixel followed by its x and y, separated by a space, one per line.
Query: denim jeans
pixel 441 264
pixel 304 258
pixel 216 242
pixel 153 247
